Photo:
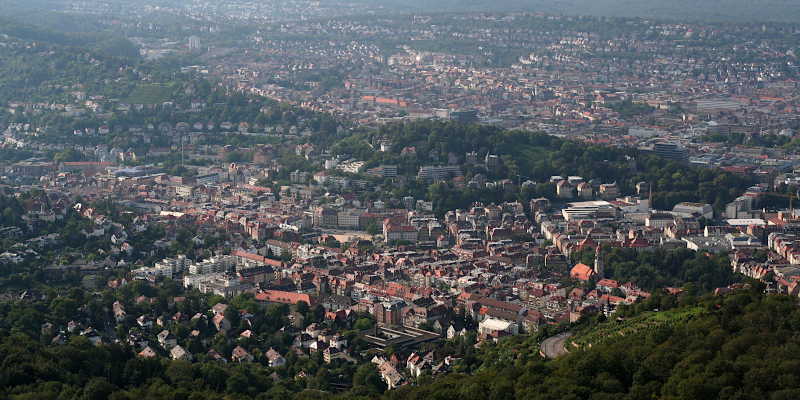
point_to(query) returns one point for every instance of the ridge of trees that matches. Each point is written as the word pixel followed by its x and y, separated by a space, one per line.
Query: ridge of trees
pixel 653 270
pixel 743 346
pixel 534 156
pixel 740 346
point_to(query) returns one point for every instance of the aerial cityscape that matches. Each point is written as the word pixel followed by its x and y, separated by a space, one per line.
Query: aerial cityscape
pixel 374 199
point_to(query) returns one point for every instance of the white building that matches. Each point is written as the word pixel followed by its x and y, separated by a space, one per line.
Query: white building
pixel 179 353
pixel 220 284
pixel 496 328
pixel 687 209
pixel 275 359
pixel 167 268
pixel 438 173
pixel 742 207
pixel 588 210
pixel 174 265
pixel 212 265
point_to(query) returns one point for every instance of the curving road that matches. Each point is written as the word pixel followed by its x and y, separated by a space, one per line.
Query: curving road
pixel 553 347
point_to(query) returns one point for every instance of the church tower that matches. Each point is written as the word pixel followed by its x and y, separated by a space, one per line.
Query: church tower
pixel 598 263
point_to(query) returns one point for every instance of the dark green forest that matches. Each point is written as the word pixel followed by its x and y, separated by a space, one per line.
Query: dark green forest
pixel 743 346
pixel 534 156
pixel 740 346
pixel 651 270
pixel 38 64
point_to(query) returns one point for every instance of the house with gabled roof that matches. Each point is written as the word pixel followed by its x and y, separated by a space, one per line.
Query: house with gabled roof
pixel 144 321
pixel 119 312
pixel 239 354
pixel 179 353
pixel 214 355
pixel 148 352
pixel 221 323
pixel 607 285
pixel 219 308
pixel 274 358
pixel 416 364
pixel 581 272
pixel 166 339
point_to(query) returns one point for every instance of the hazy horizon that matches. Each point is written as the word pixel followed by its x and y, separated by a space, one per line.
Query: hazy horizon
pixel 714 11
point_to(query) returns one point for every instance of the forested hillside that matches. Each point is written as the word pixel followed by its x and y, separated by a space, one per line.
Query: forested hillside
pixel 743 346
pixel 740 346
pixel 660 268
pixel 537 157
pixel 38 64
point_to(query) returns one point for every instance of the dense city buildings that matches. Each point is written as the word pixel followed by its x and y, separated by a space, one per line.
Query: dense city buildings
pixel 294 197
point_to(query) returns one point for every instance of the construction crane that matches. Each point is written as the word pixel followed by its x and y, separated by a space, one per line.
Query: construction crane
pixel 790 196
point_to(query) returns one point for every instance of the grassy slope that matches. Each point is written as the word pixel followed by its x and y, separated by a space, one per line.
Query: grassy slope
pixel 741 346
pixel 645 322
pixel 149 94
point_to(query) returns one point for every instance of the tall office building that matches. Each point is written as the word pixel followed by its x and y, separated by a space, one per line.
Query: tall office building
pixel 194 43
pixel 671 151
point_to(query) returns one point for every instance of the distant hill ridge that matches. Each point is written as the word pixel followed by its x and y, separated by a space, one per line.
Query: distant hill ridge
pixel 712 10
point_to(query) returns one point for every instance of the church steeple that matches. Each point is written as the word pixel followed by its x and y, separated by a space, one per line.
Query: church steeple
pixel 598 263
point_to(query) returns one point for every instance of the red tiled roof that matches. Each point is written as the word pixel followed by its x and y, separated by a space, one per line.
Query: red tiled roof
pixel 257 258
pixel 257 188
pixel 608 283
pixel 279 296
pixel 581 272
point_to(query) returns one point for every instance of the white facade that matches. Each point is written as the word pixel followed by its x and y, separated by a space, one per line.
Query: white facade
pixel 688 209
pixel 212 265
pixel 491 325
